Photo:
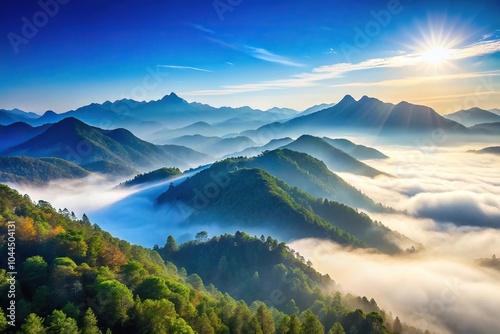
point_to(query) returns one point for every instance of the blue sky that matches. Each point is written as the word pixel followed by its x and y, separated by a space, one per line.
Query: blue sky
pixel 444 54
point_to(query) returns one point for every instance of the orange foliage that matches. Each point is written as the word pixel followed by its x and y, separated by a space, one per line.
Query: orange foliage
pixel 112 256
pixel 26 230
pixel 57 230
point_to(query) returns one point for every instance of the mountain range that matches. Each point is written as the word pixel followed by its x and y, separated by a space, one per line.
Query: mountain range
pixel 215 146
pixel 77 142
pixel 366 116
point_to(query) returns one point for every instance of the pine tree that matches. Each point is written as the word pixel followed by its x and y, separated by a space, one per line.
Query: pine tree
pixel 397 327
pixel 311 324
pixel 3 321
pixel 265 319
pixel 336 329
pixel 89 323
pixel 294 325
pixel 33 325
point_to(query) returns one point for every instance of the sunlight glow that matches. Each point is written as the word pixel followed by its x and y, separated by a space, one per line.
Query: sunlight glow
pixel 436 55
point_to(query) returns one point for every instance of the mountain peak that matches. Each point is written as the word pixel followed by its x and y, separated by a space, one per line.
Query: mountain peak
pixel 49 113
pixel 173 98
pixel 348 99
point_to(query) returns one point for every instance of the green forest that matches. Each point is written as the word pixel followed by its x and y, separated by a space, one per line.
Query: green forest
pixel 73 277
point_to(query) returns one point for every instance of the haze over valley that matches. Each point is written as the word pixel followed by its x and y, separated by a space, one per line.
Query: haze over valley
pixel 235 167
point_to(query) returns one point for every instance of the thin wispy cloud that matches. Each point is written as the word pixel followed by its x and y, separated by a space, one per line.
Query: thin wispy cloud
pixel 202 28
pixel 410 81
pixel 339 70
pixel 257 53
pixel 177 67
pixel 266 55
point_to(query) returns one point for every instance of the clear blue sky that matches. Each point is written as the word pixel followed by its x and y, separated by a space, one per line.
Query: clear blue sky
pixel 252 52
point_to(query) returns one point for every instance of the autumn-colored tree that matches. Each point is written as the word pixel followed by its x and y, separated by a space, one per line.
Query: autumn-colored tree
pixel 25 229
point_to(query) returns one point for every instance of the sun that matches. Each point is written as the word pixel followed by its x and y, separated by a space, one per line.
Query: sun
pixel 436 55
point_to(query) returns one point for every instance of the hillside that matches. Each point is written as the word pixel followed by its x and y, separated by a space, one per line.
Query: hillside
pixel 486 128
pixel 158 175
pixel 218 261
pixel 110 169
pixel 307 173
pixel 359 152
pixel 35 171
pixel 84 144
pixel 254 199
pixel 336 159
pixel 75 277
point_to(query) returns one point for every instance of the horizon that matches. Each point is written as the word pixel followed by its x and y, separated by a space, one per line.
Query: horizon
pixel 443 55
pixel 244 106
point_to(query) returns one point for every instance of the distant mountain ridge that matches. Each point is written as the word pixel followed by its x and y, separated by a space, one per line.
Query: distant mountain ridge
pixel 473 116
pixel 368 115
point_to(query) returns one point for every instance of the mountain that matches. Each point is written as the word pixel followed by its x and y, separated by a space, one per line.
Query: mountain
pixel 177 112
pixel 99 115
pixel 75 278
pixel 254 198
pixel 200 128
pixel 366 116
pixel 191 157
pixel 35 171
pixel 307 173
pixel 214 146
pixel 112 169
pixel 15 115
pixel 316 108
pixel 158 175
pixel 227 128
pixel 337 160
pixel 256 150
pixel 489 150
pixel 84 144
pixel 147 117
pixel 473 117
pixel 359 152
pixel 283 111
pixel 241 197
pixel 486 128
pixel 496 111
pixel 17 133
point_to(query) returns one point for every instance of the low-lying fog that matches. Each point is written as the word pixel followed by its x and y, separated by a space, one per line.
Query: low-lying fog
pixel 442 192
